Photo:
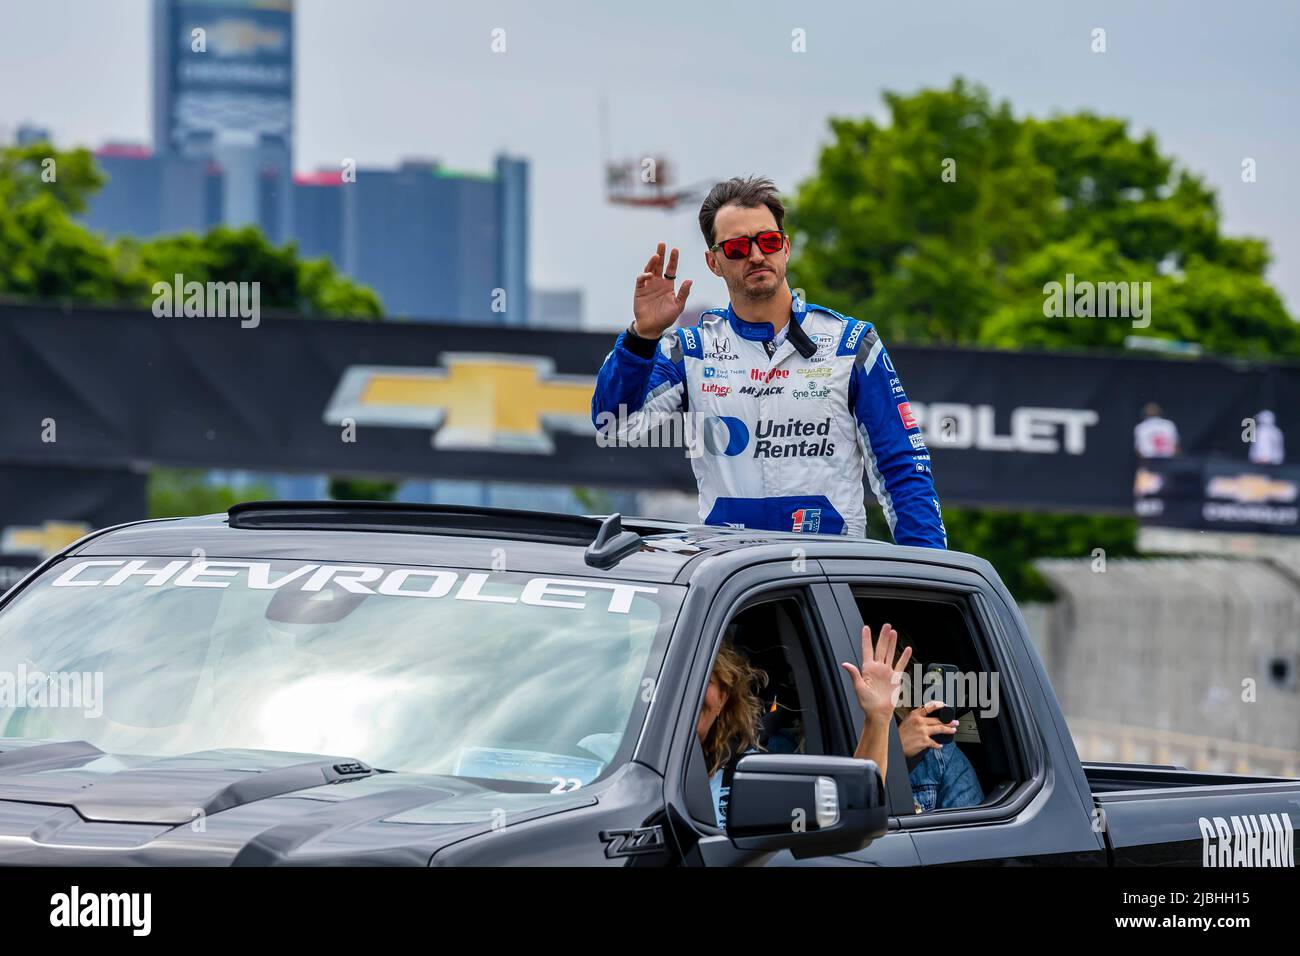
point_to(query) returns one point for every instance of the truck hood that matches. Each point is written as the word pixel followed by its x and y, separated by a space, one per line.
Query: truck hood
pixel 68 803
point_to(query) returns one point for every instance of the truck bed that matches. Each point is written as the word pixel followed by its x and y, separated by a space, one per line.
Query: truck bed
pixel 1116 777
pixel 1167 816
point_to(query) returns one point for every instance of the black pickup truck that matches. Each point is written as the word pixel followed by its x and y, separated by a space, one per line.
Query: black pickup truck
pixel 328 683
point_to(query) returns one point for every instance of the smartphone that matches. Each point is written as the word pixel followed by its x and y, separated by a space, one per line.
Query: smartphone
pixel 943 678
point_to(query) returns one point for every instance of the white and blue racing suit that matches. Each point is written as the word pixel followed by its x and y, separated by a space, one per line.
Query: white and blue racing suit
pixel 782 440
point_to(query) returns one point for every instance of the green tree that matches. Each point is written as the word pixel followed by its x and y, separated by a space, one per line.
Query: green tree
pixel 362 489
pixel 310 287
pixel 944 225
pixel 176 493
pixel 1011 540
pixel 878 230
pixel 44 252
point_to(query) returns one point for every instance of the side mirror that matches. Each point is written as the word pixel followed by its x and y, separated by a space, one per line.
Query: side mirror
pixel 811 806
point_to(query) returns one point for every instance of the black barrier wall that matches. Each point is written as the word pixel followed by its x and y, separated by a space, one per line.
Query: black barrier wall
pixel 43 508
pixel 123 389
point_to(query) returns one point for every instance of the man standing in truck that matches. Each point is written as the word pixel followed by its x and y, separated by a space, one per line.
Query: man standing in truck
pixel 794 400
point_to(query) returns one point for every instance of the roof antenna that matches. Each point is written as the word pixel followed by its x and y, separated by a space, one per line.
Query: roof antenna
pixel 612 543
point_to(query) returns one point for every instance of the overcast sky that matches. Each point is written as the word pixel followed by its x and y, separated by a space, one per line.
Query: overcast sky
pixel 713 85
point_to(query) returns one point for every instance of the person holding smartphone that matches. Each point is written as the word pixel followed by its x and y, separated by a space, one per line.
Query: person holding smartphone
pixel 941 776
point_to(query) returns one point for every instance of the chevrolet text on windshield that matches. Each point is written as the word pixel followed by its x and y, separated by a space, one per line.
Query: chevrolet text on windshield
pixel 397 582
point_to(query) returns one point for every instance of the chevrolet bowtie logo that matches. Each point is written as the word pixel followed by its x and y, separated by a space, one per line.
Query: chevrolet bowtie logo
pixel 1147 482
pixel 48 539
pixel 479 401
pixel 1251 488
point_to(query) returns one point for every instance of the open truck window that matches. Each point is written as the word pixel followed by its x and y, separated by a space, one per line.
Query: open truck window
pixel 951 663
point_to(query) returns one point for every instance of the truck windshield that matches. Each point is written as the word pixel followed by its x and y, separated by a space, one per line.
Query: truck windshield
pixel 496 675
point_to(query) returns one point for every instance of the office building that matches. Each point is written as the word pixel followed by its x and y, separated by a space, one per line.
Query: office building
pixel 149 195
pixel 223 94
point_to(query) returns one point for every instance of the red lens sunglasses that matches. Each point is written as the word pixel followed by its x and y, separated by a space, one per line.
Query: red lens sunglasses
pixel 773 240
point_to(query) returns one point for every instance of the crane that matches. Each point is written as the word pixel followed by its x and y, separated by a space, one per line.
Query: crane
pixel 646 182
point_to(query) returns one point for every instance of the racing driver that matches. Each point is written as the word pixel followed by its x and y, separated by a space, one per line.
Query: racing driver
pixel 792 399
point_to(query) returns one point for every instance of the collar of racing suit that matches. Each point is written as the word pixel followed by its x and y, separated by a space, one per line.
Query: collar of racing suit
pixel 764 331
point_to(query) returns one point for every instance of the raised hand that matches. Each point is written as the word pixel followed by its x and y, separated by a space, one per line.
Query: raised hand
pixel 878 683
pixel 656 304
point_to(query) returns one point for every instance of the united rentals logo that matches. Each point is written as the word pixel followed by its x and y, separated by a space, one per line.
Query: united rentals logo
pixel 808 447
pixel 724 435
pixel 477 401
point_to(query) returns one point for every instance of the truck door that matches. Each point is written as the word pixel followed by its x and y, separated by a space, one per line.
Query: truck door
pixel 782 624
pixel 1027 807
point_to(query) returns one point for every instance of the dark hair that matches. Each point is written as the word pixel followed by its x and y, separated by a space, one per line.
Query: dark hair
pixel 738 725
pixel 749 192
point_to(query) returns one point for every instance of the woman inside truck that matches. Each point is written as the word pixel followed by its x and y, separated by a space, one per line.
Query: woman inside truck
pixel 731 716
pixel 730 722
